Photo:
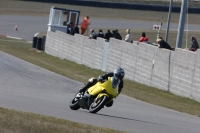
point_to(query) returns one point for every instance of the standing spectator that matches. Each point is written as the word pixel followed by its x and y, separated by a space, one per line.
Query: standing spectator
pixel 100 34
pixel 114 33
pixel 84 24
pixel 72 31
pixel 76 29
pixel 128 36
pixel 143 38
pixel 117 35
pixel 93 35
pixel 70 27
pixel 195 44
pixel 64 23
pixel 108 35
pixel 163 44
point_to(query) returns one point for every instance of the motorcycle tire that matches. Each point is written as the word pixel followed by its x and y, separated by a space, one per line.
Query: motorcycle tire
pixel 98 104
pixel 74 104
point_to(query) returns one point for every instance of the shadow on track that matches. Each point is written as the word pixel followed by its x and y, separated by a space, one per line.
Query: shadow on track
pixel 123 118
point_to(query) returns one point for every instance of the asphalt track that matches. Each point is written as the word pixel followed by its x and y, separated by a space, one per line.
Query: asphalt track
pixel 29 88
pixel 30 25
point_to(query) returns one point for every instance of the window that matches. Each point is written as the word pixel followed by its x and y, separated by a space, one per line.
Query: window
pixel 60 17
pixel 56 17
pixel 64 17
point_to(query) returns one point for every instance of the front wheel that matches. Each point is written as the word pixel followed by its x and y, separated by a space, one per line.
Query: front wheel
pixel 98 104
pixel 74 104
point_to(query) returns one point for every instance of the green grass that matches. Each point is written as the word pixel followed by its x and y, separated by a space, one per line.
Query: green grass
pixel 13 121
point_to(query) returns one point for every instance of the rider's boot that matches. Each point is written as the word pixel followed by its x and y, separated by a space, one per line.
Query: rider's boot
pixel 109 104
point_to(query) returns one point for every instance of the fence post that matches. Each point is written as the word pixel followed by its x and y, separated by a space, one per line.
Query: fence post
pixel 105 56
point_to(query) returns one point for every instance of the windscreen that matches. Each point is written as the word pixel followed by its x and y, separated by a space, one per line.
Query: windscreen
pixel 115 81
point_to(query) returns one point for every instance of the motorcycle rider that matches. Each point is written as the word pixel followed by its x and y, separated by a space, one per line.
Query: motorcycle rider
pixel 119 73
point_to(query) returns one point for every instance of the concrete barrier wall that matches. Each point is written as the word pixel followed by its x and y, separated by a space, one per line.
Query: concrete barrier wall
pixel 182 72
pixel 145 63
pixel 76 48
pixel 161 68
pixel 196 78
pixel 175 71
pixel 129 59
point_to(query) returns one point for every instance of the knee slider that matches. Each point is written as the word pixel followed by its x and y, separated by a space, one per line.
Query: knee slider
pixel 91 80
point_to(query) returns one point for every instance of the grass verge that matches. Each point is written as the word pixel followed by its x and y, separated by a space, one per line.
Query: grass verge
pixel 12 121
pixel 82 73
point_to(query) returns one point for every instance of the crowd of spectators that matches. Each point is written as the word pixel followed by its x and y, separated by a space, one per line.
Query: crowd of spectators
pixel 114 34
pixel 72 29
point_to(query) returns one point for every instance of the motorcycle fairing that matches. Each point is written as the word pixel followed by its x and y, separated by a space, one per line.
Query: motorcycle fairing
pixel 106 88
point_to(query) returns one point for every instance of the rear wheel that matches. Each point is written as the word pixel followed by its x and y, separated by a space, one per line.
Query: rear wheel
pixel 74 104
pixel 98 104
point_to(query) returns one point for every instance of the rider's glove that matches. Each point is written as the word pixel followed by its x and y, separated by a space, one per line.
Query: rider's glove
pixel 100 79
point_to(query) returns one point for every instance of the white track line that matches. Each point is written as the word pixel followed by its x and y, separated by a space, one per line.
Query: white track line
pixel 14 37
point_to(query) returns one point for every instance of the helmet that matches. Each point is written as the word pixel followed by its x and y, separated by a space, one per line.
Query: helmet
pixel 119 73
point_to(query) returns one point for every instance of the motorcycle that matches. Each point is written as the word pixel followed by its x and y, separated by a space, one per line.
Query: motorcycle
pixel 96 97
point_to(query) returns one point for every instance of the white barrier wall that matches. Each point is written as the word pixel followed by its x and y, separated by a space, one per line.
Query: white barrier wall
pixel 175 71
pixel 182 72
pixel 196 78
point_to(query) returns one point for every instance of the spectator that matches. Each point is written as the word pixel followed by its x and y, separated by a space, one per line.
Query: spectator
pixel 76 29
pixel 163 44
pixel 100 34
pixel 70 27
pixel 64 23
pixel 143 38
pixel 72 31
pixel 84 25
pixel 117 35
pixel 128 36
pixel 93 35
pixel 114 33
pixel 195 44
pixel 108 35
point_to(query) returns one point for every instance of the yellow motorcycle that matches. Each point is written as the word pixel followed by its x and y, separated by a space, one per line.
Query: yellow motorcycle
pixel 94 99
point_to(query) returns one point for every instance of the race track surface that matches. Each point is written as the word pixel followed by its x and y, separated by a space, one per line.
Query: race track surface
pixel 30 25
pixel 29 88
